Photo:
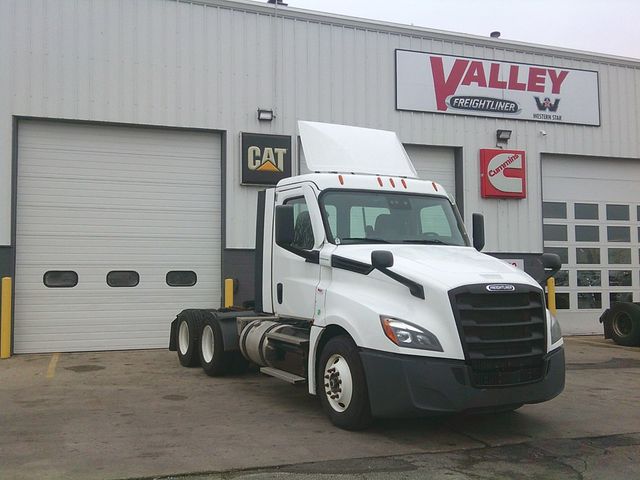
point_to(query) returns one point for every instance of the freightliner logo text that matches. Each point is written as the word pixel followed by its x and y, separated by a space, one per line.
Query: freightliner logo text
pixel 501 287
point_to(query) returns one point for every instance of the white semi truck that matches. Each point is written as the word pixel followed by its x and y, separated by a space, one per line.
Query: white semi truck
pixel 369 291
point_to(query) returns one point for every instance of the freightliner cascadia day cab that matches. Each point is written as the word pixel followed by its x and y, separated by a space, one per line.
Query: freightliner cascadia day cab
pixel 369 291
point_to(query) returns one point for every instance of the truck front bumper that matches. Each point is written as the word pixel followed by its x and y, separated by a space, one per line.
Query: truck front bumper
pixel 407 385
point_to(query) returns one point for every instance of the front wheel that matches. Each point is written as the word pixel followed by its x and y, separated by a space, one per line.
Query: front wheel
pixel 342 386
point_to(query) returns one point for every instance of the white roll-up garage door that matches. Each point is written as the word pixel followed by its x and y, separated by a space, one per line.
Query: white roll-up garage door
pixel 436 164
pixel 118 229
pixel 591 216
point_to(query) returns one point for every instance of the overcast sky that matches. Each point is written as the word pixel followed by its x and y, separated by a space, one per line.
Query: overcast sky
pixel 611 26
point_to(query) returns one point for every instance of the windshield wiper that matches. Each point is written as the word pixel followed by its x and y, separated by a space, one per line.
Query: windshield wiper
pixel 363 240
pixel 427 242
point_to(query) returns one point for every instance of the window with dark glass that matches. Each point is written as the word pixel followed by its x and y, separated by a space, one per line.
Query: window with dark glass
pixel 617 212
pixel 562 278
pixel 587 255
pixel 60 279
pixel 556 233
pixel 619 278
pixel 302 229
pixel 619 256
pixel 589 300
pixel 585 211
pixel 589 278
pixel 616 297
pixel 123 278
pixel 562 301
pixel 554 210
pixel 562 252
pixel 181 278
pixel 587 233
pixel 619 234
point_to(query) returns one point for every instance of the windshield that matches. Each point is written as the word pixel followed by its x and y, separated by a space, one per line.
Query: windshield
pixel 380 217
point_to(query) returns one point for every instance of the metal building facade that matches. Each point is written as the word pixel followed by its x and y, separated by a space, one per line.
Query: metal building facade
pixel 210 64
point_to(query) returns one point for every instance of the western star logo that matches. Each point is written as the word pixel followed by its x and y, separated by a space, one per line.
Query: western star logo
pixel 473 72
pixel 547 105
pixel 266 160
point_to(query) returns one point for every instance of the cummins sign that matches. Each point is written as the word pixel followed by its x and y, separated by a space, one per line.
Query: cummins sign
pixel 503 173
pixel 430 82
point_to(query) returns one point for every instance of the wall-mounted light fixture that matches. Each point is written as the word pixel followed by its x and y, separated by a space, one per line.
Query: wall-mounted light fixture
pixel 265 115
pixel 503 135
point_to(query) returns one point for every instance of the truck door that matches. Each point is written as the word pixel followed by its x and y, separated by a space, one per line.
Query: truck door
pixel 296 278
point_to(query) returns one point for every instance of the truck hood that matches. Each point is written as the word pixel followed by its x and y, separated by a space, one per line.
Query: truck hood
pixel 441 266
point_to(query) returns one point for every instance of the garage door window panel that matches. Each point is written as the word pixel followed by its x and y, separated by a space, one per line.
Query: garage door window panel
pixel 619 234
pixel 585 211
pixel 60 279
pixel 589 300
pixel 554 210
pixel 123 278
pixel 587 256
pixel 620 278
pixel 618 212
pixel 181 278
pixel 616 297
pixel 589 278
pixel 587 233
pixel 562 278
pixel 619 256
pixel 555 233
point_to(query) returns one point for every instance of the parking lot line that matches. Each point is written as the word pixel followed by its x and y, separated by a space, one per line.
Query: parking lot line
pixel 51 370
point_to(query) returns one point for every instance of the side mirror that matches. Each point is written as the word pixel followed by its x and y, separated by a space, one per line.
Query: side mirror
pixel 551 264
pixel 284 225
pixel 381 259
pixel 478 231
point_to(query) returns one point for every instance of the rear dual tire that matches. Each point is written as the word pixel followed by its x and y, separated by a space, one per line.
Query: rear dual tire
pixel 187 341
pixel 215 361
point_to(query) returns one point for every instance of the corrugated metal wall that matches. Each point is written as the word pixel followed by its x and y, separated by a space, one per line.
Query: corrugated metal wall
pixel 173 63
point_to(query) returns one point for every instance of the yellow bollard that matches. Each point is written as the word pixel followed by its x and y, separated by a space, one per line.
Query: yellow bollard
pixel 228 292
pixel 551 294
pixel 5 319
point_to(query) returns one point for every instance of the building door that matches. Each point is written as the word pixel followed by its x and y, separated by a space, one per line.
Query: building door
pixel 591 219
pixel 118 229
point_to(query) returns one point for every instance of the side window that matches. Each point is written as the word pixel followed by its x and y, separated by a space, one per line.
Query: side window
pixel 433 220
pixel 302 229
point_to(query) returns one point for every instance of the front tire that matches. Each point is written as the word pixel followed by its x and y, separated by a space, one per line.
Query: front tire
pixel 342 385
pixel 625 324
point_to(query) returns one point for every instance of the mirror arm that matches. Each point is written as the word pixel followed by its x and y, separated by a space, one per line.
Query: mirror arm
pixel 415 288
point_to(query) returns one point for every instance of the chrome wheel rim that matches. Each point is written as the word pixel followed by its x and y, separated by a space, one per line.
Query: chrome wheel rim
pixel 338 383
pixel 183 338
pixel 207 344
pixel 622 324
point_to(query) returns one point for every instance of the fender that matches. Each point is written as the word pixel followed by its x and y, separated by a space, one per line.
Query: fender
pixel 317 332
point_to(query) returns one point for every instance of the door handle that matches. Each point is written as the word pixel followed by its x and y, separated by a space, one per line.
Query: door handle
pixel 279 293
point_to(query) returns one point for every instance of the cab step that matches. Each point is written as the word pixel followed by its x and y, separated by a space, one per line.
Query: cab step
pixel 282 375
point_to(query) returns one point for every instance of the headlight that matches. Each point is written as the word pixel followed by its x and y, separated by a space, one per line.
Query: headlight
pixel 556 332
pixel 405 334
